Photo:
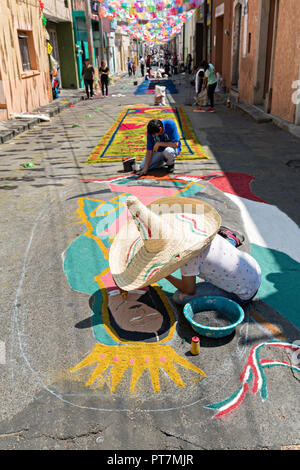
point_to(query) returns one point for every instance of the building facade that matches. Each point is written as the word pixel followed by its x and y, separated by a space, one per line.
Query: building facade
pixel 256 49
pixel 24 65
pixel 59 26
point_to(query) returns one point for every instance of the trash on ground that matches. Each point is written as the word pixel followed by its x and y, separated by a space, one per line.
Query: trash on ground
pixel 42 117
pixel 28 165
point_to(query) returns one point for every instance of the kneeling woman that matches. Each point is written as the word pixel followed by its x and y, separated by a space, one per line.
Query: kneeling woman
pixel 227 272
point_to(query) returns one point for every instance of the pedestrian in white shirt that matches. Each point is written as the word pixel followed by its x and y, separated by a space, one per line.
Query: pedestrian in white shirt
pixel 142 65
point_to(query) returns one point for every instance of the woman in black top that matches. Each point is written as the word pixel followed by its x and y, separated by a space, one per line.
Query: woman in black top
pixel 104 71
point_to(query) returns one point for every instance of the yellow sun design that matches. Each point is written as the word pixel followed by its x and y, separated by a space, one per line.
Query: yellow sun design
pixel 139 358
pixel 114 360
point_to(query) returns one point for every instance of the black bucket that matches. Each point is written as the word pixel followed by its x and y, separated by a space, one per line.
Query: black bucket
pixel 128 163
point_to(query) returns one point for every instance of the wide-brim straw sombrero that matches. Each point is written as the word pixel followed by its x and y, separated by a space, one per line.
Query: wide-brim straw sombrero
pixel 160 238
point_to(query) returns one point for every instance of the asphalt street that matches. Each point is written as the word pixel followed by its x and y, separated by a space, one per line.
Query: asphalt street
pixel 46 326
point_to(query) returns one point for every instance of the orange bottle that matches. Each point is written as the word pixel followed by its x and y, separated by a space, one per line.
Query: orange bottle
pixel 195 345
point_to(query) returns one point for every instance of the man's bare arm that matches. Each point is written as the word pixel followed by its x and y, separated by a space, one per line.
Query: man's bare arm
pixel 174 145
pixel 147 163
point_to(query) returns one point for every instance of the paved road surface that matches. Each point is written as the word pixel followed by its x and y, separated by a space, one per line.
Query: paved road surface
pixel 46 323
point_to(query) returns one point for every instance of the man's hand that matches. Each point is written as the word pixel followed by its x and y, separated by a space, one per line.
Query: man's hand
pixel 141 172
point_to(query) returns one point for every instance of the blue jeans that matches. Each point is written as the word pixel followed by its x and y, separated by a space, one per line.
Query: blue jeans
pixel 206 288
pixel 158 158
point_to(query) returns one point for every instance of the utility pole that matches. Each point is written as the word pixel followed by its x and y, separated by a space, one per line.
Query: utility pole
pixel 89 31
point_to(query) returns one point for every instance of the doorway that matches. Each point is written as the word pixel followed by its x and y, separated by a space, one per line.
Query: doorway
pixel 267 96
pixel 236 46
pixel 219 43
pixel 199 43
pixel 54 43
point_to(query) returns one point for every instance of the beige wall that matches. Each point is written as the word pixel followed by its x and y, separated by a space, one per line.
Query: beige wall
pixel 122 51
pixel 22 91
pixel 58 9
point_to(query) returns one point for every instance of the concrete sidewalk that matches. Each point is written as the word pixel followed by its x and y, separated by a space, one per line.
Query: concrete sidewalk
pixel 15 126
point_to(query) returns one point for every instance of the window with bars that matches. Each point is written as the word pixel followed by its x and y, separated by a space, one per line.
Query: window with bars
pixel 24 50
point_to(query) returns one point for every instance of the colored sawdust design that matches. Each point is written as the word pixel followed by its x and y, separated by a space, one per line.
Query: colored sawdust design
pixel 280 282
pixel 139 358
pixel 147 88
pixel 279 261
pixel 254 371
pixel 234 183
pixel 127 136
pixel 139 349
pixel 90 253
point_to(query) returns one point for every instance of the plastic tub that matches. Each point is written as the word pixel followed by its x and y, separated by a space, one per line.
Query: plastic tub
pixel 227 307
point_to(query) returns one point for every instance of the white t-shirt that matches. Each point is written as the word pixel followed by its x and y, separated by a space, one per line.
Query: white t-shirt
pixel 197 81
pixel 226 267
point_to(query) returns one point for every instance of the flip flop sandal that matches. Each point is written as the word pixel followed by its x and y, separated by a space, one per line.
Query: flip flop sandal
pixel 227 233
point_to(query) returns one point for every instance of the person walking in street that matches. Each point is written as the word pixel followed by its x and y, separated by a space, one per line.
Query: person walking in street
pixel 167 66
pixel 88 73
pixel 142 65
pixel 174 65
pixel 163 145
pixel 189 61
pixel 210 82
pixel 133 68
pixel 129 66
pixel 104 71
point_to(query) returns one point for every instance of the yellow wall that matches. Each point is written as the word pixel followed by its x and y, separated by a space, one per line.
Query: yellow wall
pixel 22 91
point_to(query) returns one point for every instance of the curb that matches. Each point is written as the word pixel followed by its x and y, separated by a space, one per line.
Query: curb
pixel 14 127
pixel 260 117
pixel 253 112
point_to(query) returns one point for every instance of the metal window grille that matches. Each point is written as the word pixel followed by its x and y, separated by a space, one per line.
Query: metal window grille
pixel 24 50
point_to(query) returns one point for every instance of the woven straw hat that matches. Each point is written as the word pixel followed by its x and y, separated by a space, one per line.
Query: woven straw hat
pixel 160 238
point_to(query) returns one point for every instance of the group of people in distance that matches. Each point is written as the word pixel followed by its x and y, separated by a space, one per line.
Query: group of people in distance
pixel 88 74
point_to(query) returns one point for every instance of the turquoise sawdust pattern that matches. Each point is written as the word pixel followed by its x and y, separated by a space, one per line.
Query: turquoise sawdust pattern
pixel 280 285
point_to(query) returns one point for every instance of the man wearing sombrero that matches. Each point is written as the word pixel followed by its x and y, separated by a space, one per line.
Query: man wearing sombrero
pixel 163 145
pixel 178 232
